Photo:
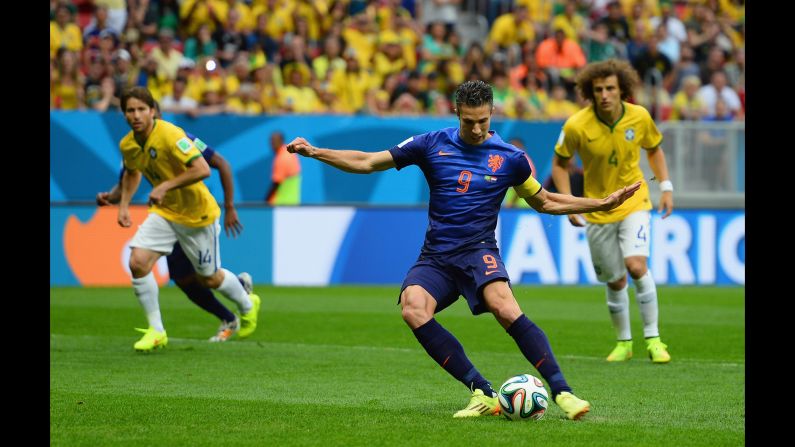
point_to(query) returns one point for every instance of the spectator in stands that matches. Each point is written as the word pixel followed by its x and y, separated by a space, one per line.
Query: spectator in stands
pixel 245 101
pixel 360 35
pixel 600 47
pixel 674 27
pixel 520 75
pixel 106 99
pixel 154 15
pixel 201 45
pixel 228 39
pixel 177 101
pixel 166 56
pixel 560 58
pixel 195 13
pixel 209 85
pixel 667 44
pixel 294 52
pixel 735 70
pixel 267 88
pixel 715 61
pixel 717 88
pixel 706 33
pixel 722 112
pixel 502 93
pixel 616 22
pixel 285 175
pixel 68 82
pixel 559 107
pixel 435 47
pixel 444 11
pixel 117 14
pixel 93 82
pixel 297 96
pixel 330 61
pixel 570 22
pixel 237 75
pixel 652 66
pixel 261 40
pixel 389 57
pixel 509 32
pixel 64 33
pixel 98 24
pixel 124 74
pixel 685 67
pixel 687 105
pixel 415 86
pixel 475 63
pixel 351 86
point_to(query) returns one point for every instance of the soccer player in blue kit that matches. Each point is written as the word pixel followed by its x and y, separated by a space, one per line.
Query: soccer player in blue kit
pixel 469 169
pixel 179 267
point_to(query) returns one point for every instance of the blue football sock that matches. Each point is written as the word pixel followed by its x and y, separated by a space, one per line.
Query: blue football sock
pixel 445 349
pixel 534 345
pixel 204 298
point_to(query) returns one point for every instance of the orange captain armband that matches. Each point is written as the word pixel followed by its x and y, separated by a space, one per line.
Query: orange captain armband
pixel 529 188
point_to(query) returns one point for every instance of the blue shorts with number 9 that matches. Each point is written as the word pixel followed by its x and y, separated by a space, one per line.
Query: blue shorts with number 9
pixel 462 273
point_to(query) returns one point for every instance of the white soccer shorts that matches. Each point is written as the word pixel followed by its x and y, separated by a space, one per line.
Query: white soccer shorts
pixel 200 244
pixel 611 243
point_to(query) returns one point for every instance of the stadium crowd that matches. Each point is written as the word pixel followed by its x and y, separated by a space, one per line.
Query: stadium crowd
pixel 393 57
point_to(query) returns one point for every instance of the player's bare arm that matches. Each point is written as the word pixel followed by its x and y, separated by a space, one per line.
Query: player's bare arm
pixel 357 162
pixel 562 181
pixel 130 180
pixel 198 170
pixel 232 225
pixel 111 197
pixel 554 203
pixel 659 167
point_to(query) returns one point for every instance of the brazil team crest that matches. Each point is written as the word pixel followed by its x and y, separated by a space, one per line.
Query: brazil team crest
pixel 153 153
pixel 629 134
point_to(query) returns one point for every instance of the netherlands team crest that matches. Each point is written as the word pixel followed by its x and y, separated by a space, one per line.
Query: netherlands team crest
pixel 629 134
pixel 495 162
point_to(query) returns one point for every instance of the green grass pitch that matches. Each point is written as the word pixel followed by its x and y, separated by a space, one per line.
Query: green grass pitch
pixel 337 366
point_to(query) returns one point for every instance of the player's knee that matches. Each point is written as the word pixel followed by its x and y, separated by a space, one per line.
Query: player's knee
pixel 636 267
pixel 139 267
pixel 213 282
pixel 504 306
pixel 618 284
pixel 413 307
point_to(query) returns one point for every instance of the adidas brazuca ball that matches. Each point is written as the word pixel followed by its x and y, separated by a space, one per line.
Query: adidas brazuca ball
pixel 523 397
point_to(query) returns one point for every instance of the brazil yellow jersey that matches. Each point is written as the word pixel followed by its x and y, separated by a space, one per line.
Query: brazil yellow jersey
pixel 610 155
pixel 165 155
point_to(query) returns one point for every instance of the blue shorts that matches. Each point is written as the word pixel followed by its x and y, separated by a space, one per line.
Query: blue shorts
pixel 463 273
pixel 179 265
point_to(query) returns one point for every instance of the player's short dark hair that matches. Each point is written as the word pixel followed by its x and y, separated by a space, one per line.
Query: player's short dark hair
pixel 627 77
pixel 473 94
pixel 140 93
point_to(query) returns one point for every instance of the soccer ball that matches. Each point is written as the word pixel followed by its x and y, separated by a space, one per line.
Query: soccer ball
pixel 523 397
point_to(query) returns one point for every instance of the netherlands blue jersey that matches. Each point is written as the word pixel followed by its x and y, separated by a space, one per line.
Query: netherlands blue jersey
pixel 467 185
pixel 207 151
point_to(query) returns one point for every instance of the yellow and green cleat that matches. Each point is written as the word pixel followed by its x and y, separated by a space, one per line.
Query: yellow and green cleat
pixel 479 405
pixel 151 340
pixel 574 407
pixel 658 351
pixel 622 352
pixel 248 321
